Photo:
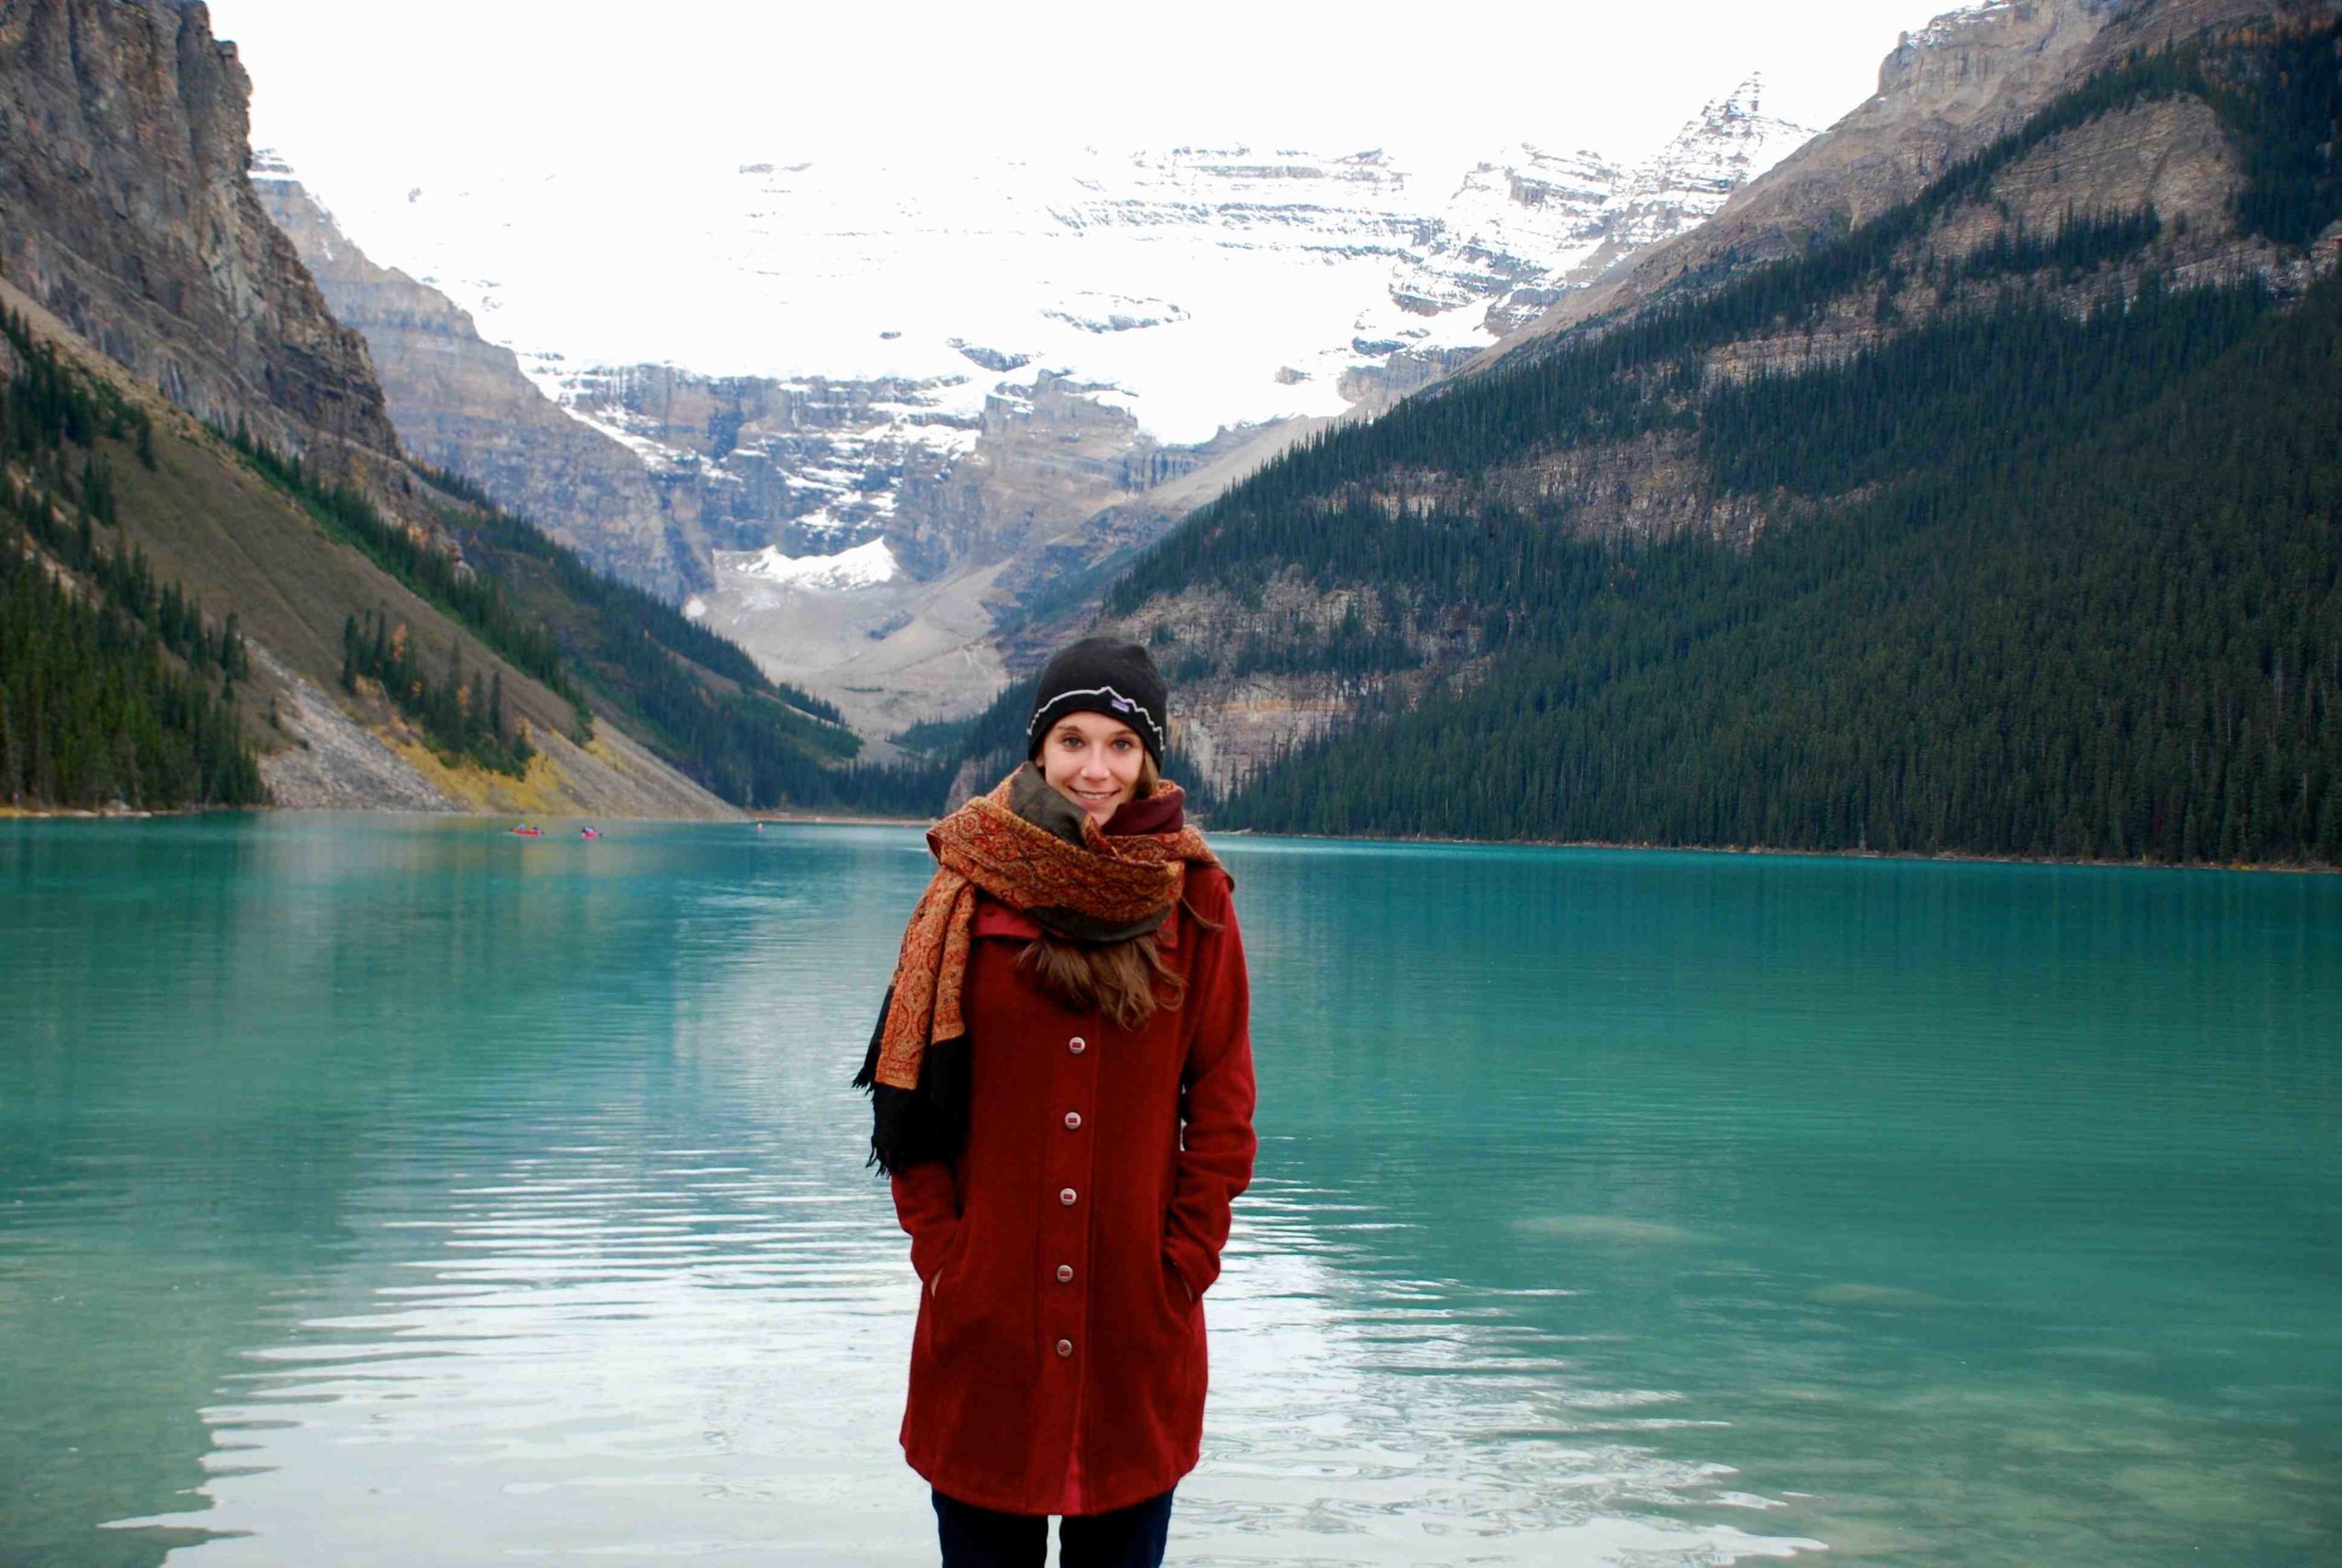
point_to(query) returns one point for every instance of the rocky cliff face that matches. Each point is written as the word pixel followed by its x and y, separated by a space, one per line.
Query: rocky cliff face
pixel 133 241
pixel 461 403
pixel 125 209
pixel 1944 94
pixel 2168 158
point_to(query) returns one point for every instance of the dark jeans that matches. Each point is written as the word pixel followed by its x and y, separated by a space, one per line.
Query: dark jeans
pixel 979 1538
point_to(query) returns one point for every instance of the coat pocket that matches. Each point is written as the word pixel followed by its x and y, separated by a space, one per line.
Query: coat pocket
pixel 1178 1298
pixel 947 1261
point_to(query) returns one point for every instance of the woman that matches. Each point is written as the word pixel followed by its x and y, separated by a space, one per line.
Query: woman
pixel 1063 1080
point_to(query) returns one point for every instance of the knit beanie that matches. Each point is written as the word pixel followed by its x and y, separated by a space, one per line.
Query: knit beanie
pixel 1100 675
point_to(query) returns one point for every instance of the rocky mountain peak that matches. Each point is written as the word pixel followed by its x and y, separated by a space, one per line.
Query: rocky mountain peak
pixel 125 208
pixel 1965 55
pixel 1524 229
pixel 1728 143
pixel 1943 91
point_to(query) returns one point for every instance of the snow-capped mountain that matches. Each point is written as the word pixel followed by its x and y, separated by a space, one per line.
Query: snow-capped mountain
pixel 1518 232
pixel 968 358
pixel 1205 286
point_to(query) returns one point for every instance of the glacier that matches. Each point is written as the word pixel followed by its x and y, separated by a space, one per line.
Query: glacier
pixel 1210 287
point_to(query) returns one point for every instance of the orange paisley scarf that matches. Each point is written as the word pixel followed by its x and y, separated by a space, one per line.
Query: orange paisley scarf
pixel 1103 888
pixel 1039 853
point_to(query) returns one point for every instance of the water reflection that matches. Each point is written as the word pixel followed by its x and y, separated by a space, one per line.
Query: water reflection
pixel 401 1191
pixel 597 1352
pixel 1366 1419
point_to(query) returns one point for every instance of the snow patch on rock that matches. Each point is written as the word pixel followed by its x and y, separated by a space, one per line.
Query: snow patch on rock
pixel 863 566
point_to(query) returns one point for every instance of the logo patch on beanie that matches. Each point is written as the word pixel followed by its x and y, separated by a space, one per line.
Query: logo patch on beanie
pixel 1107 695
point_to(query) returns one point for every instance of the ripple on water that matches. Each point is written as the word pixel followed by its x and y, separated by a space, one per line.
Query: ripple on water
pixel 590 1346
pixel 384 1190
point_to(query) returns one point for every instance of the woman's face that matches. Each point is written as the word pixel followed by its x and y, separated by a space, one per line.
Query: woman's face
pixel 1094 761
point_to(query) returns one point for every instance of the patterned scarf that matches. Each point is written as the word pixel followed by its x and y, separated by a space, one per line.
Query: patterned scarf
pixel 1037 852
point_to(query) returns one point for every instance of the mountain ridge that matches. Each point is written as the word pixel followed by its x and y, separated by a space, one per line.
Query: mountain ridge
pixel 1943 93
pixel 1012 460
pixel 462 404
pixel 2153 172
pixel 397 639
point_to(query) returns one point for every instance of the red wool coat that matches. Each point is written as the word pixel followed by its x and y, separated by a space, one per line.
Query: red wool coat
pixel 1058 1364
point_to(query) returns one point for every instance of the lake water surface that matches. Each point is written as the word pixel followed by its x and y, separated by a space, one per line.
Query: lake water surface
pixel 395 1191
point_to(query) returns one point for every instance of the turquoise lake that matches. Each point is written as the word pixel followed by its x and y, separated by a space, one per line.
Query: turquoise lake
pixel 384 1190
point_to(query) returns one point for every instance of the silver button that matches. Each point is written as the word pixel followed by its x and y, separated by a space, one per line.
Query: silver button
pixel 1077 1045
pixel 1066 1198
pixel 1065 1274
pixel 1073 1121
pixel 1065 1347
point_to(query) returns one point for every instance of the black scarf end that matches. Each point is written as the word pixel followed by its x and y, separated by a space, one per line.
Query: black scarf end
pixel 912 1126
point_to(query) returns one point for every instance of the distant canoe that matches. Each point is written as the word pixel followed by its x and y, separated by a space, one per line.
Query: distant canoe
pixel 526 831
pixel 589 833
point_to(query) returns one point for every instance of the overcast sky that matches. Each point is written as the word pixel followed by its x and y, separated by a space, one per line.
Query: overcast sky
pixel 351 93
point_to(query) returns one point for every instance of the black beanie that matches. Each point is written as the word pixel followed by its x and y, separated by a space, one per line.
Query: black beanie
pixel 1100 675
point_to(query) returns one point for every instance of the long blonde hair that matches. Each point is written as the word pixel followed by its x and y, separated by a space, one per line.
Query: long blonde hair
pixel 1125 981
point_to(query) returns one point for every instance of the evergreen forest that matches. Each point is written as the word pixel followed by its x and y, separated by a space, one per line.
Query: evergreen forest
pixel 460 719
pixel 2038 580
pixel 116 688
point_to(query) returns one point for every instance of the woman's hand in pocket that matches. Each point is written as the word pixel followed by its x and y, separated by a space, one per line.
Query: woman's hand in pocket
pixel 1176 1289
pixel 947 1253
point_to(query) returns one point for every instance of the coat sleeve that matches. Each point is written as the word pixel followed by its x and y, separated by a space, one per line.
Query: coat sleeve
pixel 927 1205
pixel 1217 1143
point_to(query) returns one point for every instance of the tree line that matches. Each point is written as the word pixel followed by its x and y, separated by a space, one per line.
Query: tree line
pixel 2121 645
pixel 2032 584
pixel 478 602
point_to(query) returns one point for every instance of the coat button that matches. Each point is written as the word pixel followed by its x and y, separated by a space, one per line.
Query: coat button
pixel 1077 1045
pixel 1065 1274
pixel 1065 1347
pixel 1072 1120
pixel 1066 1198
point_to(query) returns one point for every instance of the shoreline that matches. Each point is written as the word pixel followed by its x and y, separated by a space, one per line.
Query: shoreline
pixel 838 819
pixel 128 813
pixel 1956 857
pixel 121 813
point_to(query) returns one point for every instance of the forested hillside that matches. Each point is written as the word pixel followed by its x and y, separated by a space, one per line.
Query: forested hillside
pixel 111 678
pixel 128 540
pixel 224 580
pixel 2048 565
pixel 697 700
